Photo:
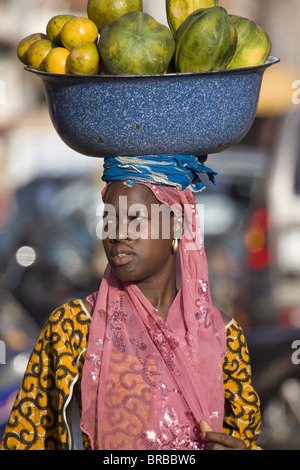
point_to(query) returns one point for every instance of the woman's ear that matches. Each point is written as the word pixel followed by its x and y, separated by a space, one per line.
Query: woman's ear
pixel 178 226
pixel 178 229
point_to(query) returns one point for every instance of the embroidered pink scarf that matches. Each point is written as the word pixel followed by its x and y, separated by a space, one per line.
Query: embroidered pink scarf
pixel 148 382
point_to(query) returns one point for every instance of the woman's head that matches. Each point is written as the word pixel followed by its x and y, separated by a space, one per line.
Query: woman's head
pixel 158 183
pixel 138 233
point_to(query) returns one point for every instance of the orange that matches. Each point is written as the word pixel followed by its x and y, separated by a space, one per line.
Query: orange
pixel 55 26
pixel 84 59
pixel 103 12
pixel 37 53
pixel 78 30
pixel 25 43
pixel 57 60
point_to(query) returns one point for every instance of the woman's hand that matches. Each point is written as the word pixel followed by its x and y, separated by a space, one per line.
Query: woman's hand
pixel 219 441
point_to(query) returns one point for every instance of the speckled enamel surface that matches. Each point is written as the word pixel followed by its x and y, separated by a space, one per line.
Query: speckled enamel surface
pixel 192 114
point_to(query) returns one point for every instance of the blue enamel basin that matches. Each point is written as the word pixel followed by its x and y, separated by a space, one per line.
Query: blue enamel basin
pixel 189 114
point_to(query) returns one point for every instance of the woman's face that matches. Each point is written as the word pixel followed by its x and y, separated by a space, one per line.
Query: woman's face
pixel 138 234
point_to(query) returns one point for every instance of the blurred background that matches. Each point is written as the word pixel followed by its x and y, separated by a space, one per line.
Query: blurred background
pixel 50 199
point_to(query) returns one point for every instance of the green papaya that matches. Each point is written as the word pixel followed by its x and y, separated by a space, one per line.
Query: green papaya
pixel 136 44
pixel 178 10
pixel 205 41
pixel 253 46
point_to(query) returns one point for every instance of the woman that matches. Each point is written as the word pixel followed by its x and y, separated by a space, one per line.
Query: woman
pixel 146 355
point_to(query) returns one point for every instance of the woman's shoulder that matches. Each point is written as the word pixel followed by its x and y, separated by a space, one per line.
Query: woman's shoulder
pixel 76 311
pixel 67 328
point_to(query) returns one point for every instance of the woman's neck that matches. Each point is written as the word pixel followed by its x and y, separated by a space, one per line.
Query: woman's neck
pixel 160 292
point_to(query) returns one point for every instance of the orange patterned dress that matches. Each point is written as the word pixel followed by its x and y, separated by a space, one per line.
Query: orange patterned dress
pixel 40 420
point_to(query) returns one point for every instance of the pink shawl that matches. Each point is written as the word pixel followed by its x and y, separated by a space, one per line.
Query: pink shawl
pixel 148 382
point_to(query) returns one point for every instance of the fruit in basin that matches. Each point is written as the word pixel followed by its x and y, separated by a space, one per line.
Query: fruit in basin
pixel 54 27
pixel 136 44
pixel 37 53
pixel 205 41
pixel 25 43
pixel 84 59
pixel 253 46
pixel 57 61
pixel 78 30
pixel 102 12
pixel 178 10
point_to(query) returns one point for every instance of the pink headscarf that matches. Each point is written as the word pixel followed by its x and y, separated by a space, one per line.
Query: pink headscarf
pixel 148 382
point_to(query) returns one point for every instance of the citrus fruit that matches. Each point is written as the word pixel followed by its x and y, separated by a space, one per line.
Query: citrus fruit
pixel 136 44
pixel 37 53
pixel 178 10
pixel 84 59
pixel 55 26
pixel 78 30
pixel 103 12
pixel 25 43
pixel 254 45
pixel 57 60
pixel 205 41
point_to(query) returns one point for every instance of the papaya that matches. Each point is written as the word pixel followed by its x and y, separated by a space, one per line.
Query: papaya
pixel 253 46
pixel 205 41
pixel 136 44
pixel 178 10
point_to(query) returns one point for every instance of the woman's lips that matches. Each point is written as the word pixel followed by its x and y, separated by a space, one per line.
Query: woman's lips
pixel 121 255
pixel 122 259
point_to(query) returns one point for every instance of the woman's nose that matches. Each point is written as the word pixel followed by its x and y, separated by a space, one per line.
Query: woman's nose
pixel 122 229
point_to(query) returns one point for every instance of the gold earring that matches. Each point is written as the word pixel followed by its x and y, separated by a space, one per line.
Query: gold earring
pixel 175 245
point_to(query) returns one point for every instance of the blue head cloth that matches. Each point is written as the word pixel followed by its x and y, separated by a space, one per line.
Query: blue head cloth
pixel 178 171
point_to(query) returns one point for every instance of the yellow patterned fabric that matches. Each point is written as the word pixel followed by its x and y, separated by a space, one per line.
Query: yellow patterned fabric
pixel 243 419
pixel 40 415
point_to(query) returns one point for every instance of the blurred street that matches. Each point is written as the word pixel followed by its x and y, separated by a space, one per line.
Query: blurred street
pixel 49 210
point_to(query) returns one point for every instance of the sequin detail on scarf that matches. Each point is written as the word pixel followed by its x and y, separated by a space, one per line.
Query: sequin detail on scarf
pixel 203 311
pixel 173 435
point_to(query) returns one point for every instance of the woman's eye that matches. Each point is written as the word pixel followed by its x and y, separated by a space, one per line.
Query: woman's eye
pixel 110 222
pixel 137 218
